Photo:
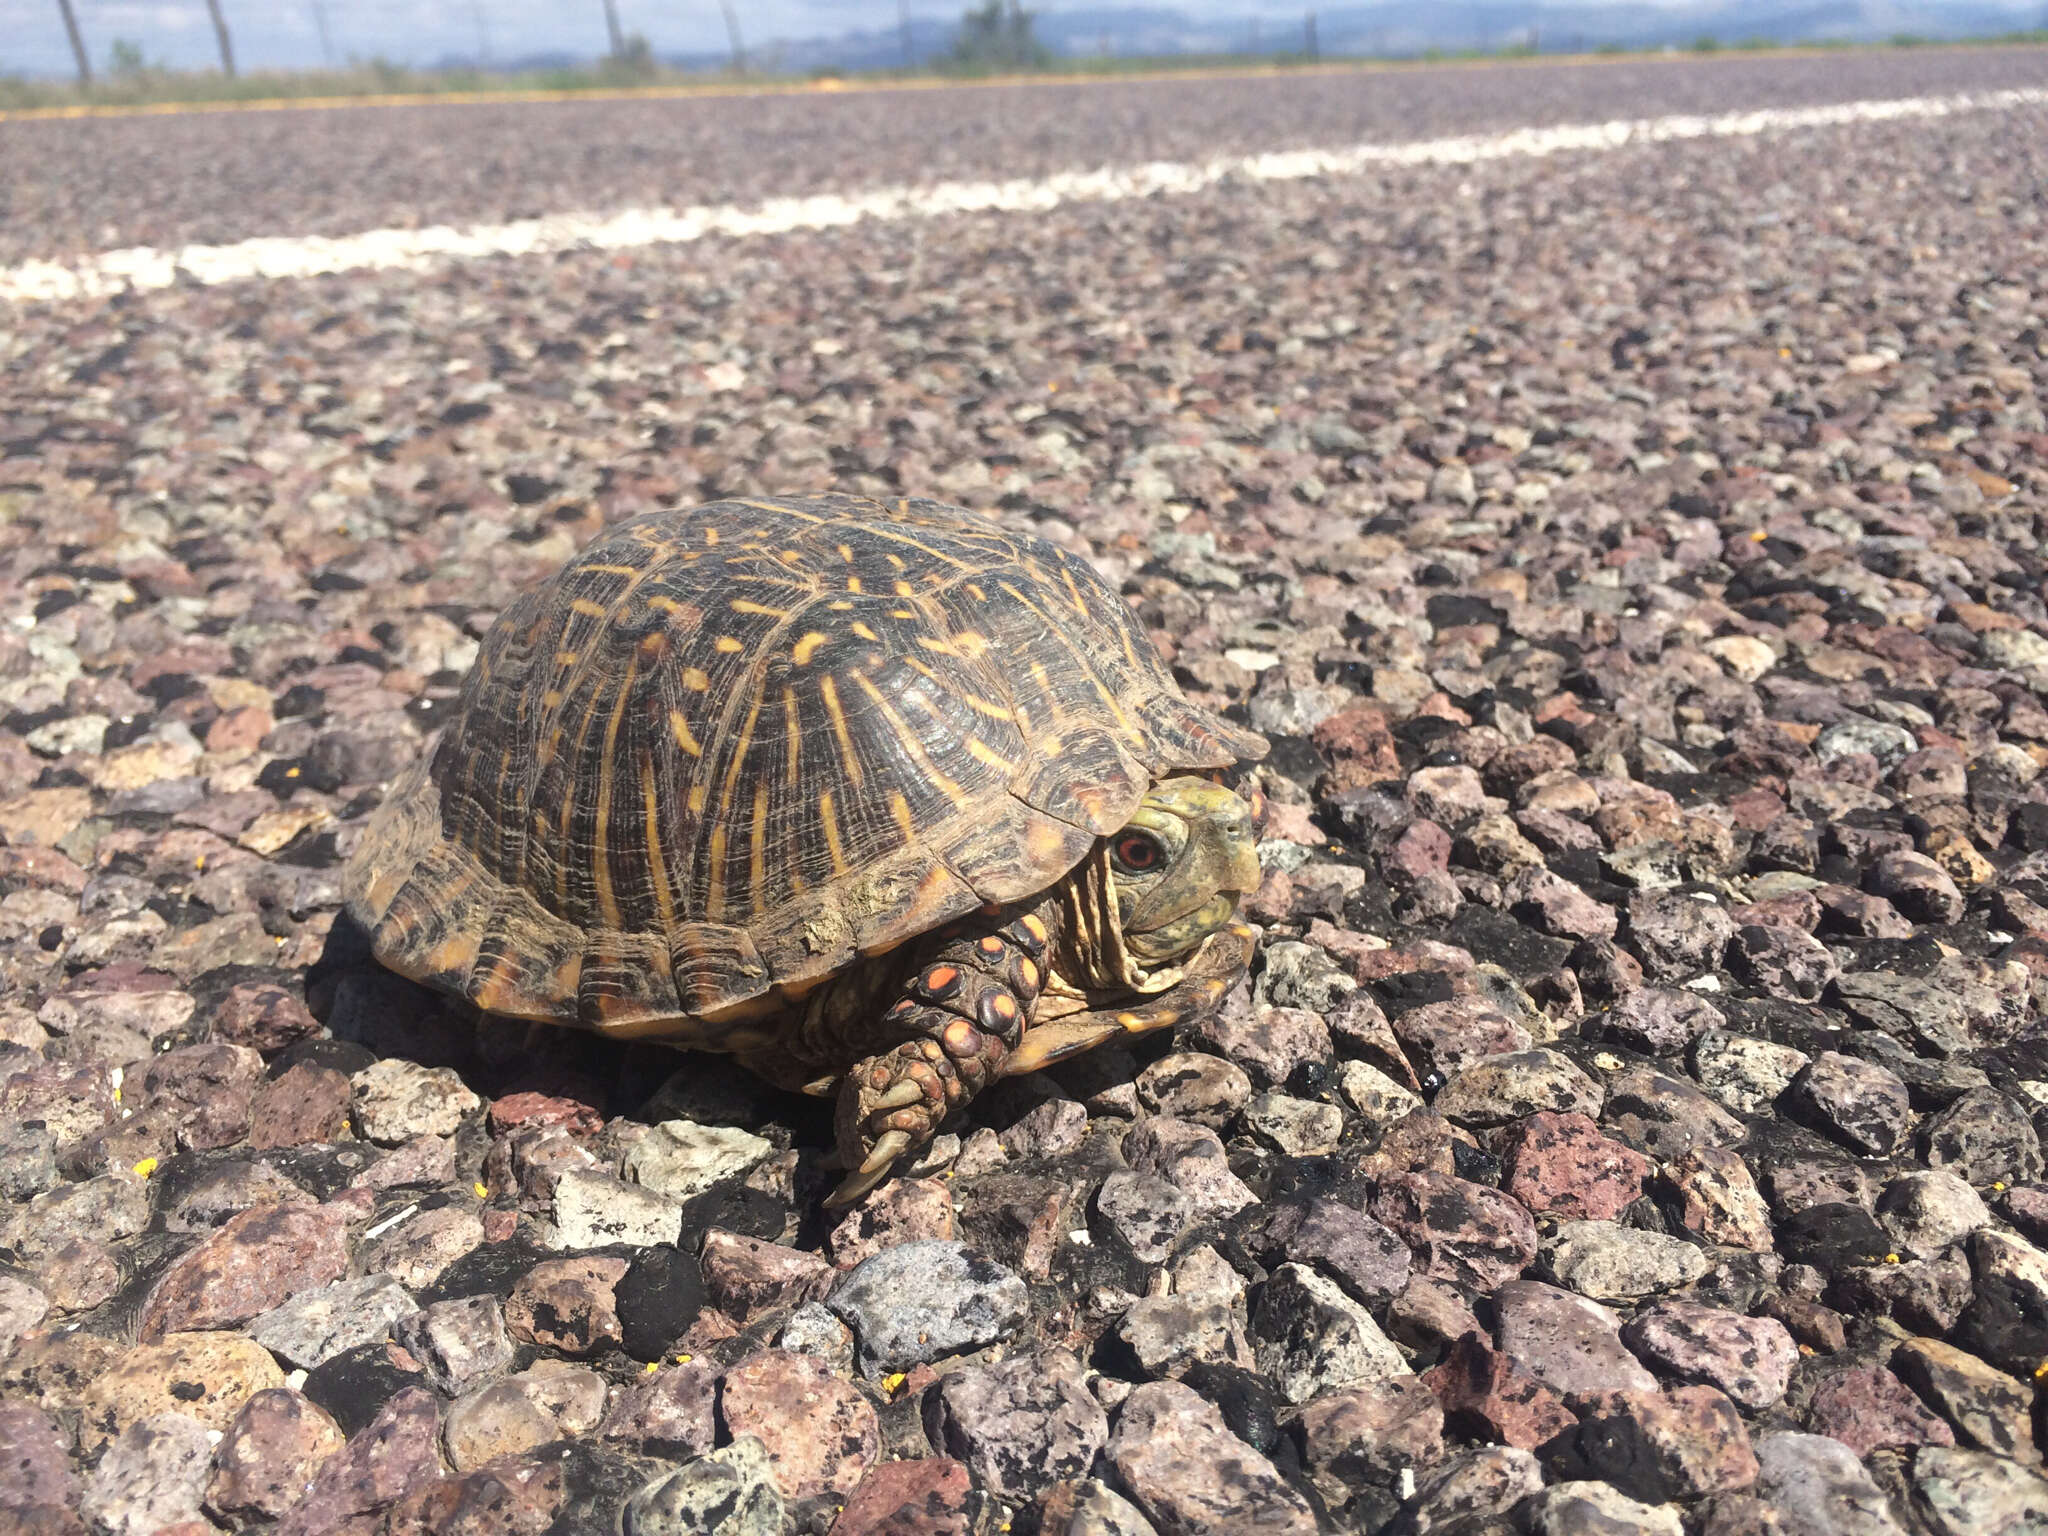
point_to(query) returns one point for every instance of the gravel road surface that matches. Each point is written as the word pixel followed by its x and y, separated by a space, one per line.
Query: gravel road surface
pixel 69 187
pixel 1637 559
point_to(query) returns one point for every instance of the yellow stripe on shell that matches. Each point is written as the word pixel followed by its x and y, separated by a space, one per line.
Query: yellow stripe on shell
pixel 657 862
pixel 601 859
pixel 828 690
pixel 828 818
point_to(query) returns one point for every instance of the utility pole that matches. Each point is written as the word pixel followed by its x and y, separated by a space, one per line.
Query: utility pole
pixel 611 25
pixel 77 42
pixel 1308 38
pixel 483 34
pixel 320 26
pixel 903 21
pixel 732 30
pixel 220 31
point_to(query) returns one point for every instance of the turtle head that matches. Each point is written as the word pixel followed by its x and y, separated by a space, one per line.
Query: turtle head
pixel 1182 863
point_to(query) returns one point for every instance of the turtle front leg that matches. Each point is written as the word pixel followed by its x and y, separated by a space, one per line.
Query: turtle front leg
pixel 961 1014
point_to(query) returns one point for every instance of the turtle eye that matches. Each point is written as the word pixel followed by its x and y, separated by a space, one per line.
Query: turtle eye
pixel 1138 852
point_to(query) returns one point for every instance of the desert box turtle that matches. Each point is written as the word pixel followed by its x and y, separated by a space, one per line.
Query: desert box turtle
pixel 880 798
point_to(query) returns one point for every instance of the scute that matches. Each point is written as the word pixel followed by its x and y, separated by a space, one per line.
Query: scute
pixel 726 750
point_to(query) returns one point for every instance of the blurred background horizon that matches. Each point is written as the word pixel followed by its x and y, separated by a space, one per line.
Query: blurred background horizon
pixel 117 39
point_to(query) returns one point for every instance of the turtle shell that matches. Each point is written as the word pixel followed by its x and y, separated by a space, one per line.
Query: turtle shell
pixel 727 750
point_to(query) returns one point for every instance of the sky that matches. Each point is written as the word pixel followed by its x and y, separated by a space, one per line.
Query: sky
pixel 286 33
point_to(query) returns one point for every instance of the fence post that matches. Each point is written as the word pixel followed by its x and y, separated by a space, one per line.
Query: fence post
pixel 220 30
pixel 77 42
pixel 732 30
pixel 320 26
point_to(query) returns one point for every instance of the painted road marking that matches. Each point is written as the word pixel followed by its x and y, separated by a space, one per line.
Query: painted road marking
pixel 296 256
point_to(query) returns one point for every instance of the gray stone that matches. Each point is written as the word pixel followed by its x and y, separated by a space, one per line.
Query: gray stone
pixel 1819 1488
pixel 1377 1098
pixel 1193 1477
pixel 812 1329
pixel 152 1476
pixel 920 1301
pixel 1749 1358
pixel 1882 739
pixel 1918 887
pixel 22 1307
pixel 1147 1213
pixel 316 1325
pixel 1859 1103
pixel 730 1492
pixel 1610 1262
pixel 1190 1157
pixel 1347 1245
pixel 1310 1338
pixel 1368 1436
pixel 1663 1114
pixel 1928 1210
pixel 1985 1138
pixel 1660 1020
pixel 1089 1507
pixel 1168 1334
pixel 1472 1487
pixel 1598 1509
pixel 1745 1074
pixel 1973 1493
pixel 1196 1087
pixel 680 1158
pixel 460 1342
pixel 1296 1127
pixel 1020 1425
pixel 1496 1090
pixel 396 1100
pixel 1567 1342
pixel 595 1210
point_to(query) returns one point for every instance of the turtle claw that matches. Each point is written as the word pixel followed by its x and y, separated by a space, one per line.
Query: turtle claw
pixel 887 1148
pixel 902 1096
pixel 873 1170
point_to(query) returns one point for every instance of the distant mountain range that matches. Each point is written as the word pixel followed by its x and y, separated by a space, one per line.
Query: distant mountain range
pixel 1405 30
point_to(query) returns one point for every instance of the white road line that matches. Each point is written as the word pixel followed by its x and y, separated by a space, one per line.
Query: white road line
pixel 289 256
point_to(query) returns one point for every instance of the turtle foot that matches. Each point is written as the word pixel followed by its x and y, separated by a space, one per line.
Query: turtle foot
pixel 891 1105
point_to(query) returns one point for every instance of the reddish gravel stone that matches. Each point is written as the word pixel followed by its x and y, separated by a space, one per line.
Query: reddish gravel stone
pixel 308 1104
pixel 393 1455
pixel 1458 1230
pixel 269 1455
pixel 539 1109
pixel 925 1497
pixel 1869 1409
pixel 1561 1165
pixel 263 1017
pixel 254 1262
pixel 1487 1395
pixel 1679 1444
pixel 821 1434
pixel 666 1415
pixel 743 1275
pixel 569 1305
